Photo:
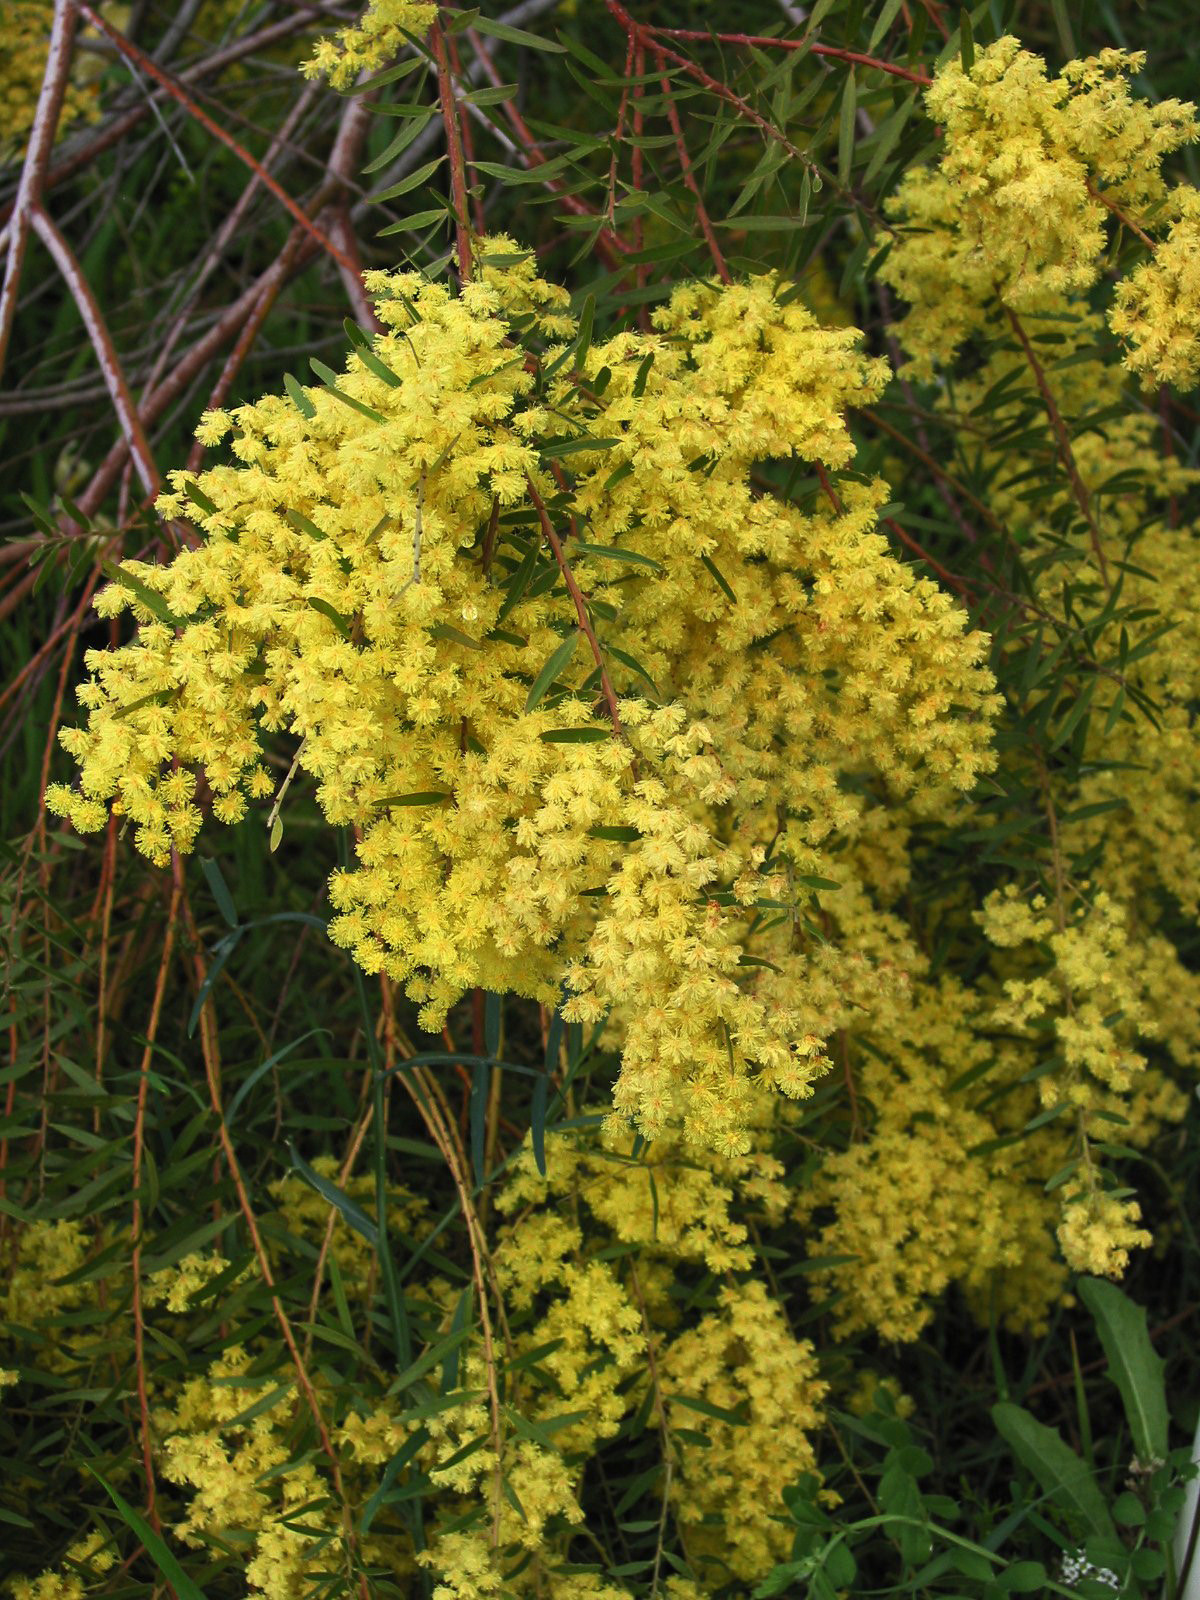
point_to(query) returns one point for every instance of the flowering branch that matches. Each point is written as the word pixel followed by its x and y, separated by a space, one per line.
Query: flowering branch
pixel 581 613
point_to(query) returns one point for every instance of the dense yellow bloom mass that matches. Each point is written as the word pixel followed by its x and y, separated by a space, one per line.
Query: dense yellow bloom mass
pixel 1016 211
pixel 617 726
pixel 378 580
pixel 1157 307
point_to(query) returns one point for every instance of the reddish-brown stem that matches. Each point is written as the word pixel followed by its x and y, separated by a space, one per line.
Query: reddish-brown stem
pixel 645 35
pixel 1121 215
pixel 581 613
pixel 454 150
pixel 1063 441
pixel 689 178
pixel 766 42
pixel 905 538
pixel 102 344
pixel 177 91
pixel 607 242
pixel 468 139
pixel 37 156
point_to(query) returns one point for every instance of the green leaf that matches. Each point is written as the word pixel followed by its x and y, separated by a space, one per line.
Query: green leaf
pixel 588 735
pixel 414 223
pixel 551 670
pixel 1133 1364
pixel 332 613
pixel 1066 1479
pixel 583 339
pixel 707 1409
pixel 400 143
pixel 153 602
pixel 199 498
pixel 303 524
pixel 220 890
pixel 966 41
pixel 643 373
pixel 419 797
pixel 153 1543
pixel 413 181
pixel 721 580
pixel 634 665
pixel 617 834
pixel 349 1209
pixel 610 552
pixel 301 400
pixel 531 41
pixel 846 128
pixel 329 378
pixel 567 447
pixel 498 95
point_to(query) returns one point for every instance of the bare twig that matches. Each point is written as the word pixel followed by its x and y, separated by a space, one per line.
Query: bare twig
pixel 102 344
pixel 178 92
pixel 37 156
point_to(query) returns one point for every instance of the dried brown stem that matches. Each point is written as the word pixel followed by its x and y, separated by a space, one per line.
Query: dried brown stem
pixel 37 156
pixel 106 353
pixel 177 91
pixel 581 612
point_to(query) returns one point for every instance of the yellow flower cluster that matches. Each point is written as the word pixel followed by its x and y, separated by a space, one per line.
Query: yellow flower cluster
pixel 1157 307
pixel 25 30
pixel 380 33
pixel 1015 211
pixel 382 578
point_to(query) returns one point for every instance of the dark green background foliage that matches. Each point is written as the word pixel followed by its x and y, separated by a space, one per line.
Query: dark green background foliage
pixel 951 1500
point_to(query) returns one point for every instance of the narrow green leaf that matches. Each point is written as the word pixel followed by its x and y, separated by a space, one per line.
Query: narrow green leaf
pixel 399 144
pixel 220 890
pixel 199 498
pixel 566 447
pixel 846 128
pixel 153 1543
pixel 588 735
pixel 303 524
pixel 609 552
pixel 531 41
pixel 966 40
pixel 153 602
pixel 721 580
pixel 414 223
pixel 583 339
pixel 329 378
pixel 707 1409
pixel 303 404
pixel 347 1208
pixel 332 613
pixel 413 181
pixel 558 660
